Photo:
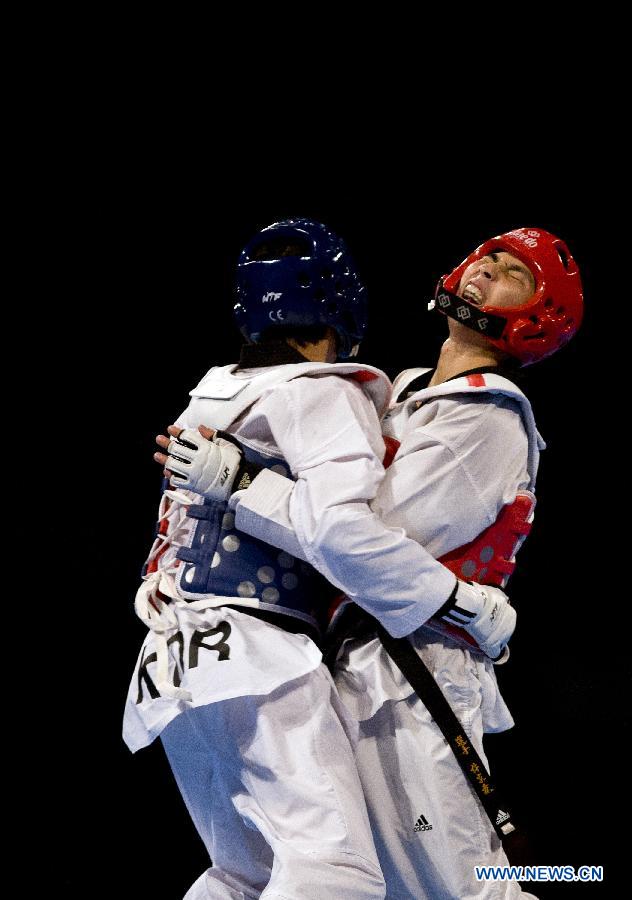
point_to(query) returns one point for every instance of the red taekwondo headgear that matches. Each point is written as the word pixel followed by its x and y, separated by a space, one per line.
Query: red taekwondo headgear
pixel 541 325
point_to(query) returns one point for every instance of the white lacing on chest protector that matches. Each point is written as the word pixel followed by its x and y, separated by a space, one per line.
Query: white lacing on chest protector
pixel 150 604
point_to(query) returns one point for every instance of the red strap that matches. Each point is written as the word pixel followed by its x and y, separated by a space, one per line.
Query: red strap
pixel 362 375
pixel 333 606
pixel 453 631
pixel 476 380
pixel 153 565
pixel 392 446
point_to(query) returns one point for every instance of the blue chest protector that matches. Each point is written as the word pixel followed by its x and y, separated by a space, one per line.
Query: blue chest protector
pixel 222 561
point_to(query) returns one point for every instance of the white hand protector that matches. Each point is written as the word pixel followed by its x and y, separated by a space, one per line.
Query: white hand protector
pixel 486 614
pixel 202 466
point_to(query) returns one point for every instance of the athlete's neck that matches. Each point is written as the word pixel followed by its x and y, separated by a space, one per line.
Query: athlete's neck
pixel 457 357
pixel 288 351
pixel 322 350
pixel 464 350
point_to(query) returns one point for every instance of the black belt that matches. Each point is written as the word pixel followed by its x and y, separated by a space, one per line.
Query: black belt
pixel 421 680
pixel 282 620
pixel 355 623
pixel 352 622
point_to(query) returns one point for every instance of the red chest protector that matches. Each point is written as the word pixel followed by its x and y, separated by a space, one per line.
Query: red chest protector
pixel 491 557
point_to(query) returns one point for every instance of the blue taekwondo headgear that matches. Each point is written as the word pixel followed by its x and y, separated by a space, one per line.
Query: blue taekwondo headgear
pixel 317 284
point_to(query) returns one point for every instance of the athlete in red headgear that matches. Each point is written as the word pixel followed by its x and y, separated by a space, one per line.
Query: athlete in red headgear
pixel 476 295
pixel 460 483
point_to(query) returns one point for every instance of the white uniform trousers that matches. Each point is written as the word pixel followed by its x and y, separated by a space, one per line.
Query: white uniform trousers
pixel 271 785
pixel 430 829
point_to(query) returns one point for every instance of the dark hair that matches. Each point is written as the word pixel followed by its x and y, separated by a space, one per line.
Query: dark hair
pixel 304 334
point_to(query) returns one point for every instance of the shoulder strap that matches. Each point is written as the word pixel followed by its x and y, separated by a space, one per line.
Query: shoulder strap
pixel 488 383
pixel 240 391
pixel 404 379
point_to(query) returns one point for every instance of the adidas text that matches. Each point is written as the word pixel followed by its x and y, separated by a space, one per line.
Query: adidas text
pixel 422 824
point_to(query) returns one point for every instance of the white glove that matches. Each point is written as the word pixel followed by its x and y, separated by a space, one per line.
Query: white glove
pixel 486 614
pixel 205 467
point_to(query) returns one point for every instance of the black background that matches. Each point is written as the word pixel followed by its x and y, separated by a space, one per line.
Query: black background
pixel 151 259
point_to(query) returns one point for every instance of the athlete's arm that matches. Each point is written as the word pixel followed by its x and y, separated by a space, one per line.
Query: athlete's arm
pixel 329 435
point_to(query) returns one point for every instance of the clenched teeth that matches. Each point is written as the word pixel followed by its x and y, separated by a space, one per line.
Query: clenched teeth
pixel 471 292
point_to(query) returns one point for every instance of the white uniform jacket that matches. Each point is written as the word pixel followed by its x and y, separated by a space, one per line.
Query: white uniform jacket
pixel 323 420
pixel 467 447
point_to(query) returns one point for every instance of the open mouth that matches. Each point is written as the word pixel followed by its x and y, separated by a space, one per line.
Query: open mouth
pixel 473 294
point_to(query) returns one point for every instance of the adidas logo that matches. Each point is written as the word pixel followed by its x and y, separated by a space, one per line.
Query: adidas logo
pixel 422 824
pixel 502 817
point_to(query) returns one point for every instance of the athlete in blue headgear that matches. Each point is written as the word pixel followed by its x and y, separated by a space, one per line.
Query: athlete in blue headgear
pixel 230 674
pixel 298 273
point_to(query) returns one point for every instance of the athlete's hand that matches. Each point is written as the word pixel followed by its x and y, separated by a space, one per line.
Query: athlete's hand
pixel 163 441
pixel 199 461
pixel 486 614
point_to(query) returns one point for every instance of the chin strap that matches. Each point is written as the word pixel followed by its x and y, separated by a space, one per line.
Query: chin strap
pixel 488 324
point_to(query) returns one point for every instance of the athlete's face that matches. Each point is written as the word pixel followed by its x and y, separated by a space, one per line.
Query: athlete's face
pixel 498 279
